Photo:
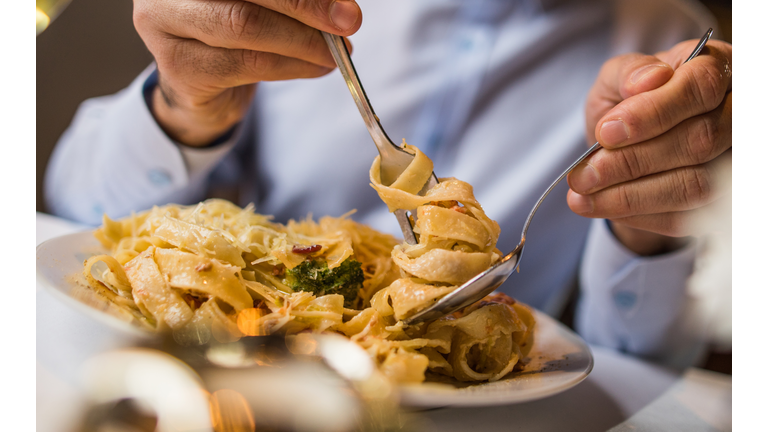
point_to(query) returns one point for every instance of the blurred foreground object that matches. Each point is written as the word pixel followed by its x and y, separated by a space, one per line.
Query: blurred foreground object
pixel 156 383
pixel 709 288
pixel 47 11
pixel 323 383
pixel 711 281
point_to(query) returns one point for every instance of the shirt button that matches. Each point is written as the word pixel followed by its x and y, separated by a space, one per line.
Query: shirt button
pixel 624 299
pixel 159 177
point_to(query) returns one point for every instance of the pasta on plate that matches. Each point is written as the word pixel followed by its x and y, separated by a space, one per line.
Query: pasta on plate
pixel 218 272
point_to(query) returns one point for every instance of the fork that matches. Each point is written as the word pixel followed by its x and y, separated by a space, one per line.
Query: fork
pixel 394 160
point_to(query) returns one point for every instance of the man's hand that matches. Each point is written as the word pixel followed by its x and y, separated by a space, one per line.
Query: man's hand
pixel 666 129
pixel 210 53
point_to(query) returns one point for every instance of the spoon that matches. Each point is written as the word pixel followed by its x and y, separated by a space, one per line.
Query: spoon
pixel 486 282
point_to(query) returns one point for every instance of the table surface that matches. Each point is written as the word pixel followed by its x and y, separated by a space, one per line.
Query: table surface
pixel 622 393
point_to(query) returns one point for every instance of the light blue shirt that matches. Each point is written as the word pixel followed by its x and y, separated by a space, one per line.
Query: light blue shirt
pixel 492 90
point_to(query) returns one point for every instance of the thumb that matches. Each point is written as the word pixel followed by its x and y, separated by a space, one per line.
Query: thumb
pixel 620 78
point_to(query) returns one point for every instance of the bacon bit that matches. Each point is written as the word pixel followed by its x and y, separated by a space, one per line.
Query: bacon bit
pixel 192 301
pixel 203 267
pixel 303 250
pixel 445 204
pixel 459 209
pixel 500 298
pixel 278 270
pixel 260 304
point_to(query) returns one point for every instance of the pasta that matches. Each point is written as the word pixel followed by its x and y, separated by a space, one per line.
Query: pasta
pixel 218 272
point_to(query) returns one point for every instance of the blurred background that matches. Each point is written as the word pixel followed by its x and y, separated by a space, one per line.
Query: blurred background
pixel 92 49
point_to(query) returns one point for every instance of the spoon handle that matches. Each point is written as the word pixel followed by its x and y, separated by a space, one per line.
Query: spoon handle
pixel 591 150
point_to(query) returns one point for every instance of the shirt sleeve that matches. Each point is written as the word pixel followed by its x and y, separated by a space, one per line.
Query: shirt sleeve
pixel 114 159
pixel 632 303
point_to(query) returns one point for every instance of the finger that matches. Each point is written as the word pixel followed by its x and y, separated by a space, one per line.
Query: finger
pixel 219 68
pixel 676 190
pixel 672 224
pixel 620 78
pixel 341 17
pixel 237 24
pixel 695 88
pixel 693 142
pixel 678 54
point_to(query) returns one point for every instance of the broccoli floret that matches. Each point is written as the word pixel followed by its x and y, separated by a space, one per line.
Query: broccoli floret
pixel 315 276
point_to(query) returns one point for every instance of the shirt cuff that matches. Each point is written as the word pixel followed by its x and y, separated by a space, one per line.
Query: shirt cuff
pixel 199 160
pixel 629 302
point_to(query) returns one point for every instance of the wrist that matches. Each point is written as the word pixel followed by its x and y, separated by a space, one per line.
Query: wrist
pixel 645 243
pixel 196 126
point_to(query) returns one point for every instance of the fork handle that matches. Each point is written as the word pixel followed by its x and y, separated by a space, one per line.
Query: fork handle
pixel 347 68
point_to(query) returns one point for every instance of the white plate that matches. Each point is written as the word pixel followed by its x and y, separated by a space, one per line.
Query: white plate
pixel 559 359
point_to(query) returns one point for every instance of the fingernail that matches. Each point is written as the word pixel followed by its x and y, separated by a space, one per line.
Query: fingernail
pixel 614 132
pixel 644 71
pixel 583 178
pixel 344 14
pixel 581 204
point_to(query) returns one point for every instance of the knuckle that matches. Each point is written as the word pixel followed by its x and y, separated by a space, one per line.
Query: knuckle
pixel 658 117
pixel 631 163
pixel 206 21
pixel 145 17
pixel 257 62
pixel 313 42
pixel 627 201
pixel 696 186
pixel 243 20
pixel 702 140
pixel 295 6
pixel 705 87
pixel 140 16
pixel 170 58
pixel 252 60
